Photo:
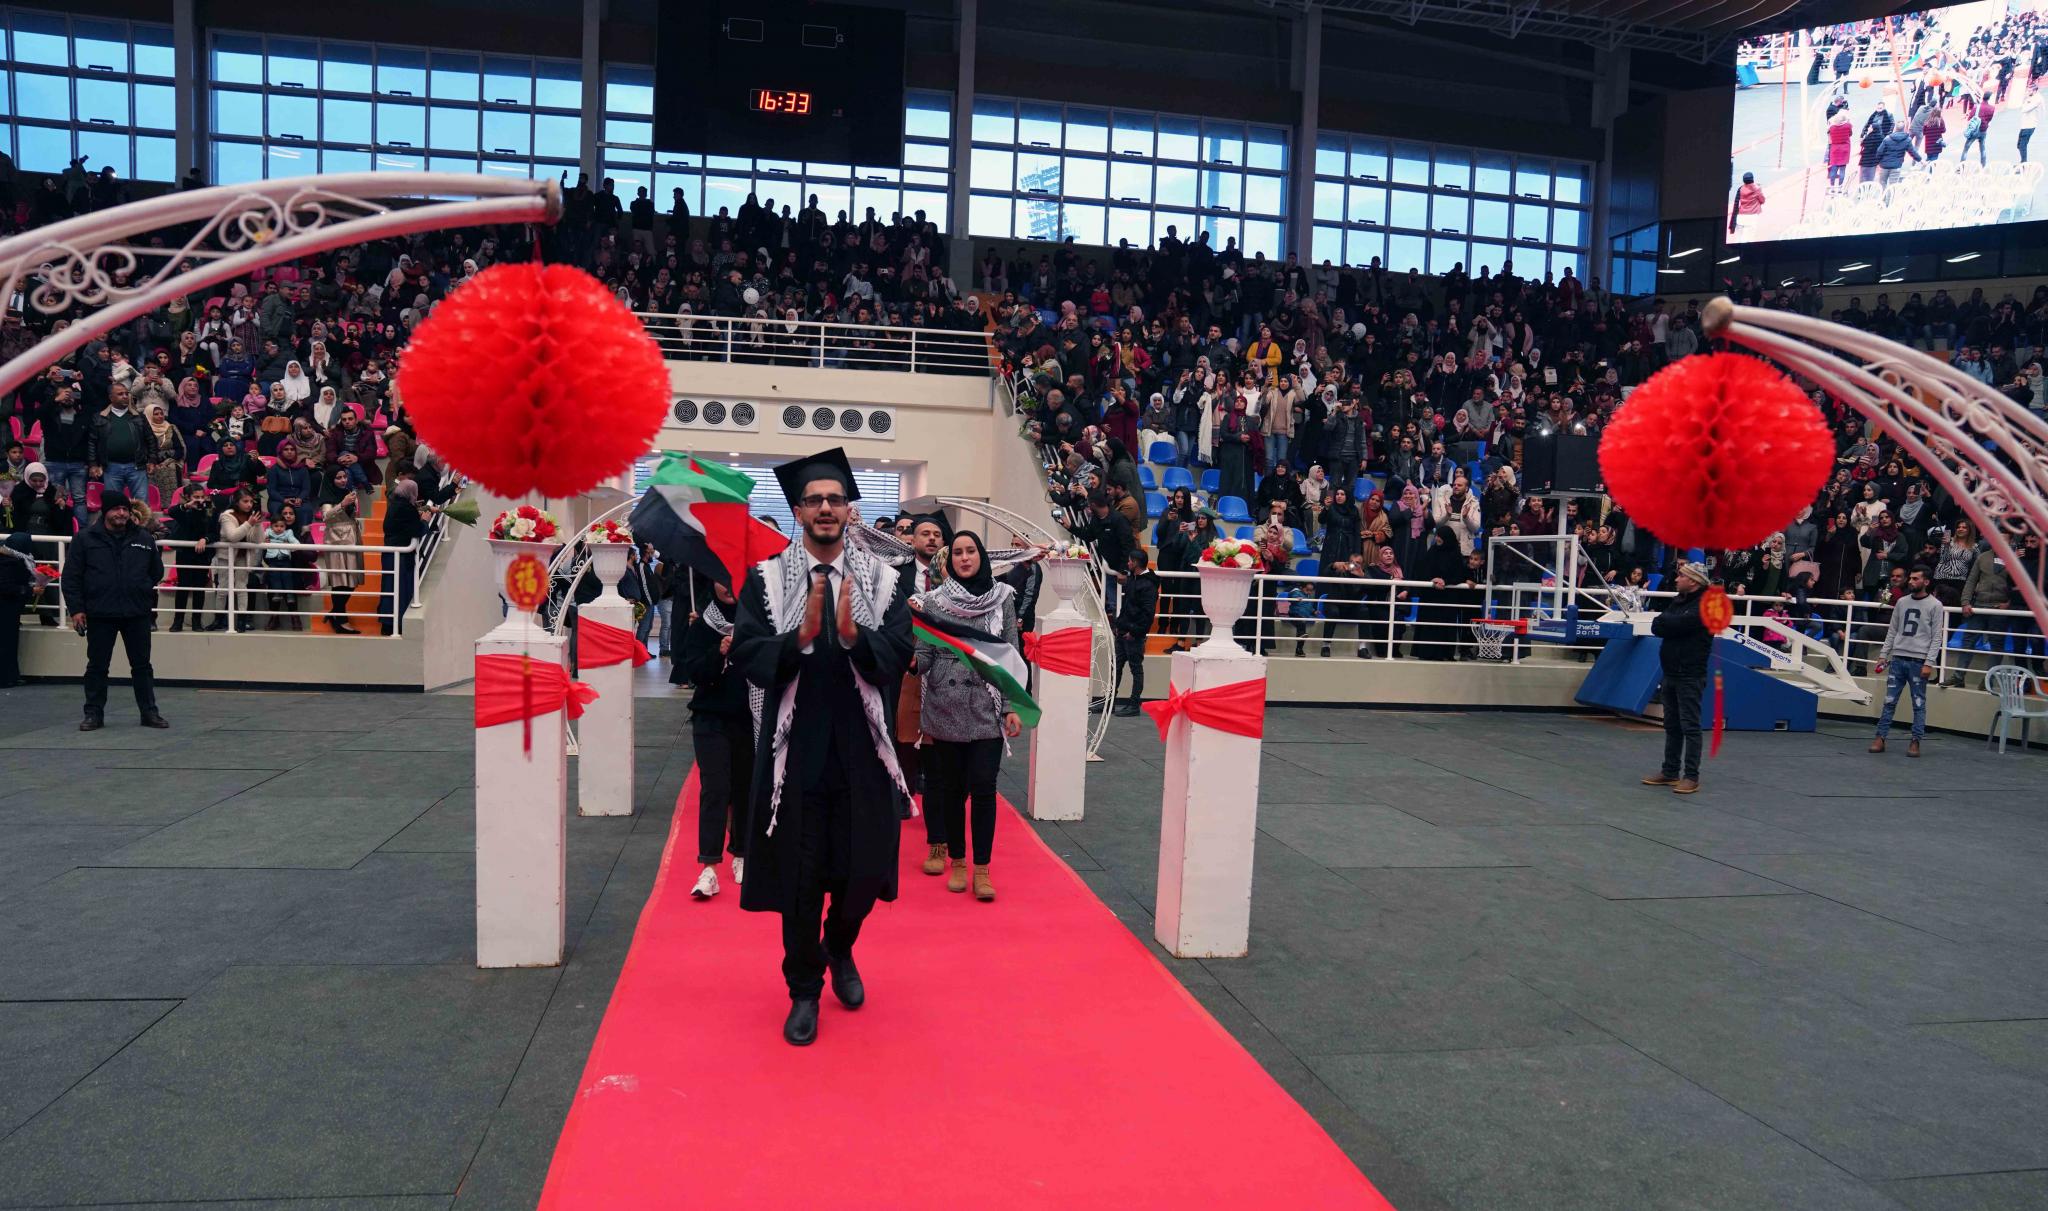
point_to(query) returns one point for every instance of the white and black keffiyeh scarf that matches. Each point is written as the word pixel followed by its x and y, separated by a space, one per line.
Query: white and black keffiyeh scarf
pixel 785 584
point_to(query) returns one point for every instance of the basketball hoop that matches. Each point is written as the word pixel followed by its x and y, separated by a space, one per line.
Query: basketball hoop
pixel 1492 634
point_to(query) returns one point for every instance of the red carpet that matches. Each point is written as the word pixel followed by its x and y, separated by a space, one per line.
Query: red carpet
pixel 1025 1053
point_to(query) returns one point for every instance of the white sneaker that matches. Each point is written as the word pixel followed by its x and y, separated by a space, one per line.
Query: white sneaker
pixel 707 884
pixel 739 865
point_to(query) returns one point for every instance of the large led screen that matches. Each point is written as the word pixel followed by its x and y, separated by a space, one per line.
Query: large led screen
pixel 1903 123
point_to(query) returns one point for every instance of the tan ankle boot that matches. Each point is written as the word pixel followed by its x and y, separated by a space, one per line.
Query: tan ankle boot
pixel 956 875
pixel 935 860
pixel 983 888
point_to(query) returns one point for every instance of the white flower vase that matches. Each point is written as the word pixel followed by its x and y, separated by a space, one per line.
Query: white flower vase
pixel 608 565
pixel 1066 579
pixel 1226 592
pixel 518 624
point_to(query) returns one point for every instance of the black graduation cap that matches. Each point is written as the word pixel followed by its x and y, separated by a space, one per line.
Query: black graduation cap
pixel 928 508
pixel 826 464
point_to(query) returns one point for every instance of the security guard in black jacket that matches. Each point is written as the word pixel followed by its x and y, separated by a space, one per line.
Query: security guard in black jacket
pixel 1133 623
pixel 110 579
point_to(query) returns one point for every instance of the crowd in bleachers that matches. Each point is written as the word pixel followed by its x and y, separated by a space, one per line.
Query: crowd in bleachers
pixel 1356 421
pixel 1366 423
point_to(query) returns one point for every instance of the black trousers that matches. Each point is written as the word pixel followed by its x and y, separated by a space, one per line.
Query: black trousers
pixel 10 639
pixel 825 821
pixel 910 759
pixel 1681 698
pixel 956 772
pixel 188 604
pixel 133 633
pixel 399 580
pixel 1130 654
pixel 725 779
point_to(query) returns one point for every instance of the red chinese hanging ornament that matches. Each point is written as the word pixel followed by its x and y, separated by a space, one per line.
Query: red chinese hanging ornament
pixel 526 587
pixel 1717 614
pixel 533 380
pixel 1719 450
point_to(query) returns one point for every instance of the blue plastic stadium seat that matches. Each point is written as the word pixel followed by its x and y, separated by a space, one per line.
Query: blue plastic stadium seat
pixel 1177 477
pixel 1245 534
pixel 1233 509
pixel 1362 488
pixel 1166 454
pixel 1212 480
pixel 1309 567
pixel 1300 543
pixel 1651 581
pixel 1146 479
pixel 1155 503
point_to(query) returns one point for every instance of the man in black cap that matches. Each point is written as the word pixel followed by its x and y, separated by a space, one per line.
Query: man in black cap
pixel 109 582
pixel 822 634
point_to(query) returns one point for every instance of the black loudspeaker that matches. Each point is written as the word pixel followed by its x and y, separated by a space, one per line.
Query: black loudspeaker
pixel 1561 463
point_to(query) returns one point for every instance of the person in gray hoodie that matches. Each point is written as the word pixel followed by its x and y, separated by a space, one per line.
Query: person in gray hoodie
pixel 1987 587
pixel 1907 656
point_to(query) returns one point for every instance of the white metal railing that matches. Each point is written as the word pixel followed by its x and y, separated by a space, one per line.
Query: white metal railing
pixel 772 342
pixel 1354 619
pixel 282 595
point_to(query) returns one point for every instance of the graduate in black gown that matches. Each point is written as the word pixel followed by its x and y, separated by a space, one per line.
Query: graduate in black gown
pixel 822 635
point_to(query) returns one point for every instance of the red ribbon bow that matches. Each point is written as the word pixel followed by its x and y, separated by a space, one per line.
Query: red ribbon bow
pixel 1238 708
pixel 510 688
pixel 601 644
pixel 1069 650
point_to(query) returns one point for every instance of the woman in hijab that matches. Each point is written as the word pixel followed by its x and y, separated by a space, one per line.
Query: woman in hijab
pixel 240 524
pixel 310 443
pixel 1123 470
pixel 1443 565
pixel 276 424
pixel 233 469
pixel 1375 528
pixel 1315 489
pixel 1170 540
pixel 1341 538
pixel 1841 558
pixel 1886 546
pixel 168 471
pixel 1801 537
pixel 1233 442
pixel 1204 533
pixel 964 718
pixel 298 389
pixel 1408 522
pixel 190 414
pixel 327 413
pixel 1382 628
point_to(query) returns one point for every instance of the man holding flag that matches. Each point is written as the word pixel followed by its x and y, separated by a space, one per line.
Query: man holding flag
pixel 821 634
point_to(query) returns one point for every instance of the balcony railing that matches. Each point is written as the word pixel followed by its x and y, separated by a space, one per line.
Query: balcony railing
pixel 767 342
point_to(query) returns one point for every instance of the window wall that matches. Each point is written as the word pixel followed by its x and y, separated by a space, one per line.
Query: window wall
pixel 708 182
pixel 282 107
pixel 1432 206
pixel 1039 170
pixel 78 86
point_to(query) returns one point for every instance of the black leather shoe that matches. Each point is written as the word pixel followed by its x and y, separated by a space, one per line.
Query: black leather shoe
pixel 1127 710
pixel 846 983
pixel 91 723
pixel 155 720
pixel 801 1027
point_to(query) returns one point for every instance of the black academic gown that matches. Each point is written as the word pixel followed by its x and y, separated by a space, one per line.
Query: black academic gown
pixel 830 733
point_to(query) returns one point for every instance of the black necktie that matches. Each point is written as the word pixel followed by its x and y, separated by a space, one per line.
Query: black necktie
pixel 828 617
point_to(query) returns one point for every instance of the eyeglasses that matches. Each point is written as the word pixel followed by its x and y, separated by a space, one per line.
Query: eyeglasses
pixel 814 501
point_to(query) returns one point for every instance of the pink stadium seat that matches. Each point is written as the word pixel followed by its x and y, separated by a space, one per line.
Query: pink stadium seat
pixel 268 460
pixel 31 437
pixel 155 498
pixel 92 496
pixel 205 464
pixel 317 532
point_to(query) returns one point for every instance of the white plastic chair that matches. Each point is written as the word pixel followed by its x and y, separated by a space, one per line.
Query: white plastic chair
pixel 2010 682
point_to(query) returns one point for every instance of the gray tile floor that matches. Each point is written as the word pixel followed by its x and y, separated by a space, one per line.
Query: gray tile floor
pixel 234 959
pixel 1503 975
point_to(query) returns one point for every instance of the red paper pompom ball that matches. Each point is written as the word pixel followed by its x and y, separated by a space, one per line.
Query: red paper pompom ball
pixel 533 378
pixel 1716 451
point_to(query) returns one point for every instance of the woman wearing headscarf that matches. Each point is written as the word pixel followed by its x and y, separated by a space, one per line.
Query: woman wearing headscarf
pixel 1375 528
pixel 1315 490
pixel 1233 440
pixel 1281 485
pixel 1197 623
pixel 321 369
pixel 192 415
pixel 311 445
pixel 964 718
pixel 1886 547
pixel 1841 557
pixel 168 471
pixel 1341 537
pixel 1801 537
pixel 233 469
pixel 1381 627
pixel 1408 519
pixel 327 413
pixel 1123 470
pixel 298 389
pixel 291 482
pixel 240 524
pixel 1443 565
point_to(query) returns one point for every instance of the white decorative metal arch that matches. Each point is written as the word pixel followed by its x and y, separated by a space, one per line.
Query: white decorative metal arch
pixel 1990 453
pixel 241 228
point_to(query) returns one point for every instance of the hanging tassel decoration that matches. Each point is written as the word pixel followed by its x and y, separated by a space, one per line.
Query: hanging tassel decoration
pixel 526 706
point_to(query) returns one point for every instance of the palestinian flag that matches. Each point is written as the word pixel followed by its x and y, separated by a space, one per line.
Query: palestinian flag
pixel 695 512
pixel 997 660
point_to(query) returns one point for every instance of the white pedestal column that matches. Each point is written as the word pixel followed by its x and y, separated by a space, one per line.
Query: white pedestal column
pixel 1059 744
pixel 1209 810
pixel 522 801
pixel 604 733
